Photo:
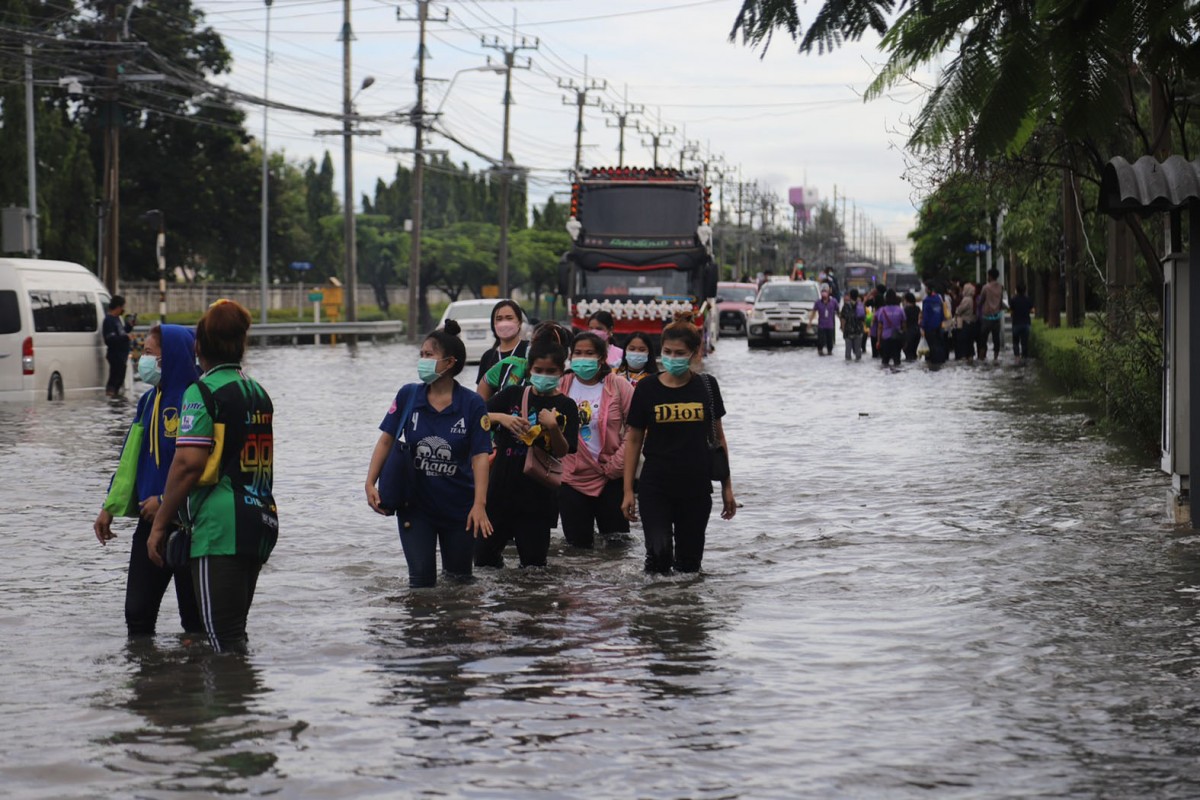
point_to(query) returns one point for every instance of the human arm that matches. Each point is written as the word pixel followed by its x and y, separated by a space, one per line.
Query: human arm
pixel 728 502
pixel 485 390
pixel 103 527
pixel 477 518
pixel 634 439
pixel 548 419
pixel 186 468
pixel 378 456
pixel 614 466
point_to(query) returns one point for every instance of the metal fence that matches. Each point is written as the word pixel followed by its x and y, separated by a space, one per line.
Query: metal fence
pixel 141 297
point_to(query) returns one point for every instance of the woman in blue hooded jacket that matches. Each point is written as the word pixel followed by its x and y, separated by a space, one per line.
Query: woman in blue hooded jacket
pixel 168 364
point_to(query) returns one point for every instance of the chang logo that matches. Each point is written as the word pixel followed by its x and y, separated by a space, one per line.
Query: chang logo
pixel 433 456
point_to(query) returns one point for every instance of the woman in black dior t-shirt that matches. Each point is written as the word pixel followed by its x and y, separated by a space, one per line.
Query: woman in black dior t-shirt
pixel 669 424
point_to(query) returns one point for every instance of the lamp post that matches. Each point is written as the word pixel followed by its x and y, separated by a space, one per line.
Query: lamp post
pixel 262 299
pixel 159 219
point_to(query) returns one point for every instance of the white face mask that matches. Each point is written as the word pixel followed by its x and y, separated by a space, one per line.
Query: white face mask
pixel 148 370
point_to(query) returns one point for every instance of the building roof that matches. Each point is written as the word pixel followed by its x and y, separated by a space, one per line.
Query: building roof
pixel 1148 185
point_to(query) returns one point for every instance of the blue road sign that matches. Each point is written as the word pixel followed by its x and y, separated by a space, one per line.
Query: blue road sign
pixel 300 266
pixel 978 247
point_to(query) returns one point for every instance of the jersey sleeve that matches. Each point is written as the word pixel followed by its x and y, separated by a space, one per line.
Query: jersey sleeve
pixel 639 405
pixel 480 426
pixel 391 420
pixel 195 424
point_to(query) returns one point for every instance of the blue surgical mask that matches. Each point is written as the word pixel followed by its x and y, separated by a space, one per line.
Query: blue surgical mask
pixel 585 368
pixel 677 365
pixel 544 384
pixel 148 370
pixel 636 360
pixel 427 370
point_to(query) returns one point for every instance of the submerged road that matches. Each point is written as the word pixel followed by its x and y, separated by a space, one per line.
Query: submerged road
pixel 941 584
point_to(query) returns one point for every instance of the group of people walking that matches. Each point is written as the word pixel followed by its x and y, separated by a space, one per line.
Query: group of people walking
pixel 555 433
pixel 957 317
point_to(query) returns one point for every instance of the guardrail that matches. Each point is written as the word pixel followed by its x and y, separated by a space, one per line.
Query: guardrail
pixel 297 330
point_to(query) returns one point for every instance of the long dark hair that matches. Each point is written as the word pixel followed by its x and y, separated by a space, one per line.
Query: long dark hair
pixel 651 359
pixel 506 303
pixel 601 349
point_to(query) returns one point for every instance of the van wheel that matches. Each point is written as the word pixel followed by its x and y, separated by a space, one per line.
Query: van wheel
pixel 55 392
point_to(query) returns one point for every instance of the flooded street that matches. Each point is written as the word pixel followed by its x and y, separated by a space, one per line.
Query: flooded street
pixel 940 584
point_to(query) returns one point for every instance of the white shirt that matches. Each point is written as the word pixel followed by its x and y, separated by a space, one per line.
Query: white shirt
pixel 588 399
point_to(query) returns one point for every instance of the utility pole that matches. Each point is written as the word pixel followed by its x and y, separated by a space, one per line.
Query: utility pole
pixel 507 165
pixel 658 135
pixel 622 114
pixel 581 100
pixel 418 176
pixel 112 165
pixel 348 237
pixel 30 153
pixel 262 267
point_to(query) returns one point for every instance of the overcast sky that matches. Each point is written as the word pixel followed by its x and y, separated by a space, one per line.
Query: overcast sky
pixel 786 120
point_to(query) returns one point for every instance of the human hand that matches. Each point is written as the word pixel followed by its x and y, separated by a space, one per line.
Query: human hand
pixel 629 506
pixel 149 507
pixel 728 503
pixel 374 502
pixel 103 527
pixel 547 419
pixel 478 522
pixel 517 426
pixel 156 542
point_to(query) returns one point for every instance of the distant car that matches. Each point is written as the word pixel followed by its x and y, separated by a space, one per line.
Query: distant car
pixel 734 301
pixel 475 319
pixel 782 313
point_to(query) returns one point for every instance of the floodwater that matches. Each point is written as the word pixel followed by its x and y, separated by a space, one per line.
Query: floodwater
pixel 941 584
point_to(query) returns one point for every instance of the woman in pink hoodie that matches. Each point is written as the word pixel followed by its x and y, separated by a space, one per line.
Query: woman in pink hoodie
pixel 592 486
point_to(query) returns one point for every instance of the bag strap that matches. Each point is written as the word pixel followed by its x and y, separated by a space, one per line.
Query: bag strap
pixel 408 409
pixel 525 403
pixel 710 411
pixel 210 400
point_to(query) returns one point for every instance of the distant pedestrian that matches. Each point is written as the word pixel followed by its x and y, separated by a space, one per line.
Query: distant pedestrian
pixel 520 507
pixel 991 315
pixel 444 430
pixel 221 477
pixel 603 323
pixel 118 339
pixel 591 493
pixel 513 370
pixel 507 318
pixel 964 325
pixel 912 326
pixel 890 321
pixel 639 361
pixel 671 420
pixel 826 311
pixel 1022 321
pixel 853 315
pixel 931 319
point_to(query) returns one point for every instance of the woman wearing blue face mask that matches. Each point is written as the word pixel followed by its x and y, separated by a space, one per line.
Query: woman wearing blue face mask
pixel 534 416
pixel 638 361
pixel 590 496
pixel 445 427
pixel 673 415
pixel 168 366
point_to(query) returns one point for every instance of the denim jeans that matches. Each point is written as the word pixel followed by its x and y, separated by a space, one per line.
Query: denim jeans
pixel 420 535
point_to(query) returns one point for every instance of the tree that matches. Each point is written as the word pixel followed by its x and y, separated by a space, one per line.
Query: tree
pixel 951 218
pixel 551 217
pixel 535 255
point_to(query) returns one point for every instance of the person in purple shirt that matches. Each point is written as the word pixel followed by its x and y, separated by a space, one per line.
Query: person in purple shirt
pixel 890 320
pixel 826 310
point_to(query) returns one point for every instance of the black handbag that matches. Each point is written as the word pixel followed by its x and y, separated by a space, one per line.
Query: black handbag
pixel 398 474
pixel 179 548
pixel 718 456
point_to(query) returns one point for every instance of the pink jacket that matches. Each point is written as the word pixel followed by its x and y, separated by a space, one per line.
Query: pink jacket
pixel 580 470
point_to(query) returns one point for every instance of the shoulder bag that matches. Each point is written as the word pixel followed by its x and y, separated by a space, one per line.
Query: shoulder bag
pixel 718 456
pixel 398 475
pixel 122 498
pixel 541 466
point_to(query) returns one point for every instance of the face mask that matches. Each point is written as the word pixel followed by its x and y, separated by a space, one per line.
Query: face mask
pixel 636 360
pixel 544 384
pixel 427 369
pixel 677 365
pixel 585 368
pixel 148 370
pixel 507 329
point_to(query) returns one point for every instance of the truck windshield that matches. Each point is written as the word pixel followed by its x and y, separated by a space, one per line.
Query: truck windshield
pixel 634 285
pixel 788 293
pixel 645 211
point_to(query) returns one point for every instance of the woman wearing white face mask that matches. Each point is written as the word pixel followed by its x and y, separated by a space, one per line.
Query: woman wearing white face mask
pixel 445 435
pixel 507 319
pixel 638 361
pixel 168 365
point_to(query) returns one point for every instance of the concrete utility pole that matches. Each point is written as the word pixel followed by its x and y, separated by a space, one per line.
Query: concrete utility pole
pixel 658 134
pixel 507 165
pixel 581 100
pixel 622 114
pixel 112 162
pixel 30 153
pixel 348 236
pixel 262 267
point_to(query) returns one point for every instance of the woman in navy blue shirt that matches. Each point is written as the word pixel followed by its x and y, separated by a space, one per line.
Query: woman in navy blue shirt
pixel 446 437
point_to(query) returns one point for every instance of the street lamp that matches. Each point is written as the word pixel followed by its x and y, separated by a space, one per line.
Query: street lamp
pixel 498 69
pixel 158 218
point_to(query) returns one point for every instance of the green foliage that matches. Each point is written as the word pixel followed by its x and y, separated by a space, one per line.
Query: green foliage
pixel 954 216
pixel 535 254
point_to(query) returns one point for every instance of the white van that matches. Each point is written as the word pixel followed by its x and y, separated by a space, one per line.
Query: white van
pixel 51 315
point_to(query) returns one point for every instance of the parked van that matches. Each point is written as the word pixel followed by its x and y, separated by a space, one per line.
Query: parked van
pixel 51 315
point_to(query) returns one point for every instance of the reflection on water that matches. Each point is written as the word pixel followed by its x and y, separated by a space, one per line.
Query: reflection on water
pixel 940 583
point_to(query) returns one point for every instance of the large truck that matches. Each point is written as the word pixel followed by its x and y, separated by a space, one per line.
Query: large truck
pixel 641 249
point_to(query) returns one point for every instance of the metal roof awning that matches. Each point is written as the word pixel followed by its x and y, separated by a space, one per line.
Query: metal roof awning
pixel 1148 185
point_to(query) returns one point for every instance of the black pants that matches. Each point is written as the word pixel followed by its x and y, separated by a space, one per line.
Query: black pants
pixel 825 339
pixel 422 534
pixel 531 533
pixel 1020 333
pixel 964 342
pixel 912 340
pixel 117 364
pixel 674 521
pixel 891 349
pixel 990 328
pixel 581 514
pixel 146 585
pixel 224 591
pixel 937 346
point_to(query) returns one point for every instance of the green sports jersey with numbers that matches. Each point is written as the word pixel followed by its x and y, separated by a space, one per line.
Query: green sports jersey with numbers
pixel 234 514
